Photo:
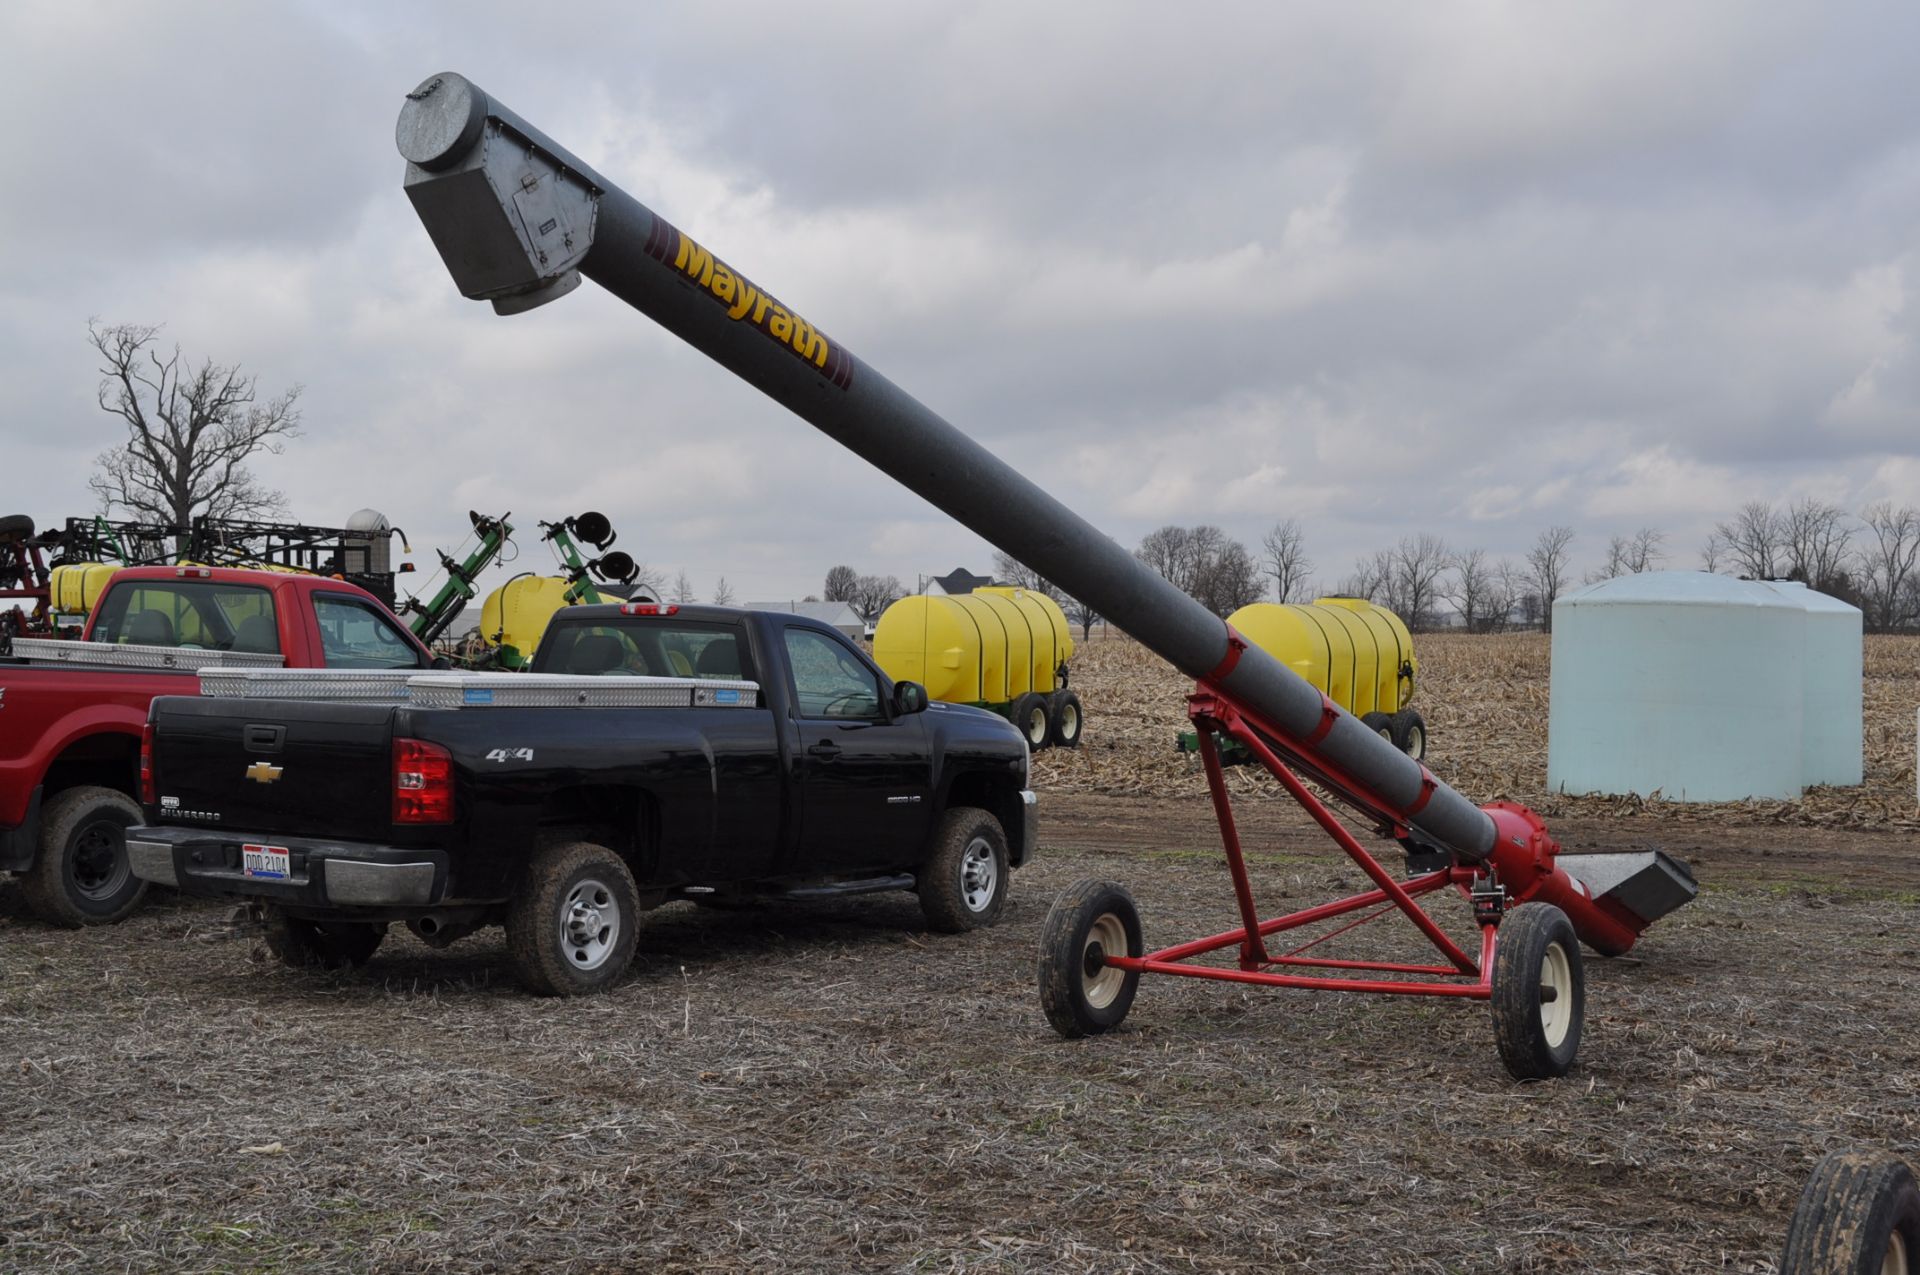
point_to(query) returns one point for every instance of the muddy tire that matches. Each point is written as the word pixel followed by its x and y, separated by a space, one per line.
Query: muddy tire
pixel 1410 733
pixel 1539 992
pixel 963 882
pixel 303 944
pixel 1858 1215
pixel 1031 718
pixel 82 876
pixel 572 927
pixel 1380 724
pixel 1081 995
pixel 1063 728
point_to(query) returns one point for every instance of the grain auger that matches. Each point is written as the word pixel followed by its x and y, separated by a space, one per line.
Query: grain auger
pixel 519 221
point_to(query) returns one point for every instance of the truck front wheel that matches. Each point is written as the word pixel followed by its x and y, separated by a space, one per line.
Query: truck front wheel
pixel 82 876
pixel 963 883
pixel 572 928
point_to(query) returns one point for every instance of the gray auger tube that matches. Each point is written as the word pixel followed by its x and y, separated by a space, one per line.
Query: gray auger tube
pixel 518 221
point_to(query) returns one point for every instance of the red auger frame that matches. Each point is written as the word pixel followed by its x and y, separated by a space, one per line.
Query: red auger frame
pixel 1524 883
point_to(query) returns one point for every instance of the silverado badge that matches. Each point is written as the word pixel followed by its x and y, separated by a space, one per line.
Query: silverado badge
pixel 263 772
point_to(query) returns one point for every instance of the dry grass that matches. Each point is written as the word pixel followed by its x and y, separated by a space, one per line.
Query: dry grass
pixel 1485 701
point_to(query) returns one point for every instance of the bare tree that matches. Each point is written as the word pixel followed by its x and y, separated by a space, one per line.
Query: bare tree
pixel 1286 560
pixel 683 588
pixel 1547 566
pixel 1470 587
pixel 1887 565
pixel 1371 578
pixel 1751 540
pixel 1418 563
pixel 1505 585
pixel 1009 570
pixel 1082 614
pixel 874 594
pixel 1645 551
pixel 722 593
pixel 190 432
pixel 1228 579
pixel 1817 542
pixel 1205 563
pixel 1712 551
pixel 840 584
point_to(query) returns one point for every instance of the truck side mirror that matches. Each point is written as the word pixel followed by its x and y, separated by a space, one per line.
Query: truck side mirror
pixel 909 697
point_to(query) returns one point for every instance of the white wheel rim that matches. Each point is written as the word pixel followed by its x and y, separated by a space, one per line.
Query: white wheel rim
pixel 1101 985
pixel 1895 1262
pixel 979 874
pixel 1037 725
pixel 1556 1016
pixel 1070 722
pixel 589 925
pixel 1416 742
pixel 1386 733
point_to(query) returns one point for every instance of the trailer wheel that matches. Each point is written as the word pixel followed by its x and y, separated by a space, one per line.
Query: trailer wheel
pixel 572 927
pixel 1029 714
pixel 1081 994
pixel 1380 724
pixel 82 876
pixel 321 945
pixel 1859 1215
pixel 1064 730
pixel 15 528
pixel 1539 992
pixel 1410 734
pixel 963 883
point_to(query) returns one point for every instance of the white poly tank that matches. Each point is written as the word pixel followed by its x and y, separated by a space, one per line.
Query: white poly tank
pixel 1678 682
pixel 1831 718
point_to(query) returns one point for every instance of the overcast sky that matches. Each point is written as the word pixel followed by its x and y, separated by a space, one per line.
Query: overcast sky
pixel 1470 269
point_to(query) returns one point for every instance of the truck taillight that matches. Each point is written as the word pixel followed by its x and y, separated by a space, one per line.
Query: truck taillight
pixel 648 608
pixel 422 782
pixel 146 766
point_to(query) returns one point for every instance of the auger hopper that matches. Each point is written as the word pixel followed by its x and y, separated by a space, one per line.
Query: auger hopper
pixel 519 222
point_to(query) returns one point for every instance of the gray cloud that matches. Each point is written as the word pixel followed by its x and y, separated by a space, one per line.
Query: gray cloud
pixel 1466 269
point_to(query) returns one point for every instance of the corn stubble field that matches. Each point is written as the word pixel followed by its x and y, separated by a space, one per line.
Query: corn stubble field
pixel 832 1088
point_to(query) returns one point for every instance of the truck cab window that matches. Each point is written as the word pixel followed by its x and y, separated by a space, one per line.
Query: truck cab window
pixel 829 680
pixel 354 635
pixel 191 614
pixel 644 648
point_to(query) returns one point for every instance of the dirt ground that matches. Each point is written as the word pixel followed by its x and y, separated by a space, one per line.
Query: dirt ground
pixel 832 1088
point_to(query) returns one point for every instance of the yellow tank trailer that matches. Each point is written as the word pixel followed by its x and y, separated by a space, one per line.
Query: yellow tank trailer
pixel 514 617
pixel 995 648
pixel 1359 654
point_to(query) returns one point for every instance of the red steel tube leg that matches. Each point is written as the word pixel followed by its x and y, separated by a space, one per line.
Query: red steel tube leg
pixel 1253 952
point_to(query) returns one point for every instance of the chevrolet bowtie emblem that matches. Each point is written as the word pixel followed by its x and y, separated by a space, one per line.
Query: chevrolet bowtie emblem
pixel 263 772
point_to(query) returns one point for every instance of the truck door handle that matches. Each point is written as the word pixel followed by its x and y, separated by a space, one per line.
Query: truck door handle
pixel 826 749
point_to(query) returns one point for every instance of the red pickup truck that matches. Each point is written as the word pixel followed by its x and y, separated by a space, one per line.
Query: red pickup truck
pixel 71 713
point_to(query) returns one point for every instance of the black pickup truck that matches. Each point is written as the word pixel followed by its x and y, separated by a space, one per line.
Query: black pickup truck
pixel 654 753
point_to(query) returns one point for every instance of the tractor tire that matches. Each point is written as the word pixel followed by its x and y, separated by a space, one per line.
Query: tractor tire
pixel 1537 951
pixel 1410 734
pixel 1081 995
pixel 1030 717
pixel 1380 724
pixel 82 876
pixel 963 883
pixel 1067 720
pixel 301 944
pixel 15 528
pixel 1858 1215
pixel 573 925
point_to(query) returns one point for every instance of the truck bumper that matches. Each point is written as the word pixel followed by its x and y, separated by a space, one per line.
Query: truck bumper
pixel 1029 825
pixel 322 874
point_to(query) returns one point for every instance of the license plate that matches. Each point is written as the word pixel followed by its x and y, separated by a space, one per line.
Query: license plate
pixel 268 863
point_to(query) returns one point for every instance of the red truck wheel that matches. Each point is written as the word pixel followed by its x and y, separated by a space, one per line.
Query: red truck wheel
pixel 82 876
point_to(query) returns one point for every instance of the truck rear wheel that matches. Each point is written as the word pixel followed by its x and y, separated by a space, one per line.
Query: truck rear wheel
pixel 302 944
pixel 82 876
pixel 963 883
pixel 572 928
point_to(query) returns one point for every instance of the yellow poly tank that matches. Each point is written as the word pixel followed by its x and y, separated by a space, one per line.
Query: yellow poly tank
pixel 76 586
pixel 1360 654
pixel 990 646
pixel 514 617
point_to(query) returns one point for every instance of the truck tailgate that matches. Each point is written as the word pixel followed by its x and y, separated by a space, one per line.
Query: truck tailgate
pixel 296 768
